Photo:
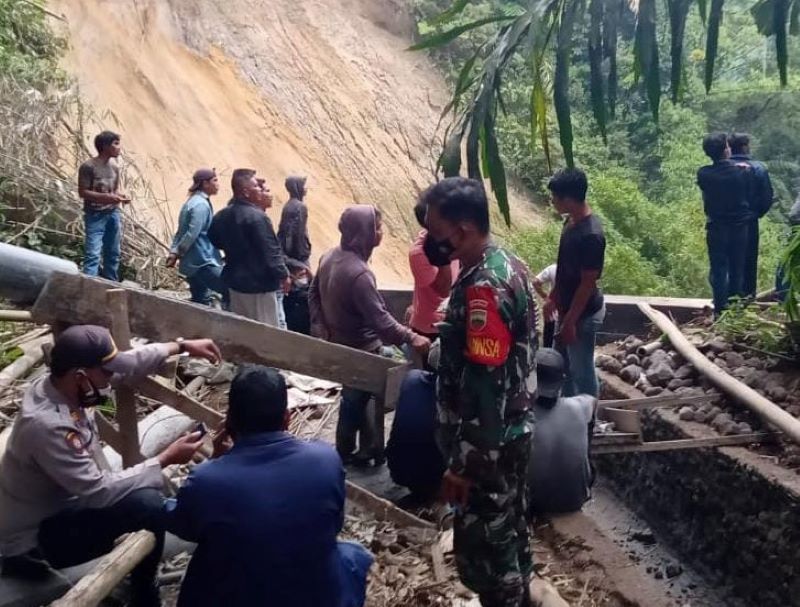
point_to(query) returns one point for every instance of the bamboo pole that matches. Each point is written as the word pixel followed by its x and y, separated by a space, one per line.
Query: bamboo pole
pixel 763 407
pixel 95 586
pixel 32 355
pixel 15 315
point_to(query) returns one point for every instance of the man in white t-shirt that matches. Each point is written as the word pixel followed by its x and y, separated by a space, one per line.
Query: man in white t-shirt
pixel 544 283
pixel 560 474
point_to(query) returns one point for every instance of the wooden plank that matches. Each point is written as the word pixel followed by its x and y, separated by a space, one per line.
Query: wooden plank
pixel 656 402
pixel 384 510
pixel 158 389
pixel 108 432
pixel 616 438
pixel 117 304
pixel 685 443
pixel 78 298
pixel 109 572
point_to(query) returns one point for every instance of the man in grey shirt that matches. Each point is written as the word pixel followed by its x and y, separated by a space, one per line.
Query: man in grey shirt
pixel 57 505
pixel 560 471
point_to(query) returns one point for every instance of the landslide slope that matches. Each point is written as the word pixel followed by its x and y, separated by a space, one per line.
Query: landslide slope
pixel 321 88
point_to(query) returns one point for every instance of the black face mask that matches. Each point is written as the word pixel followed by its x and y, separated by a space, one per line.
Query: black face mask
pixel 438 251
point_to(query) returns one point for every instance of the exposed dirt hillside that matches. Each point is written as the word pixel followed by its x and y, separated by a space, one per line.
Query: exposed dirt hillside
pixel 322 88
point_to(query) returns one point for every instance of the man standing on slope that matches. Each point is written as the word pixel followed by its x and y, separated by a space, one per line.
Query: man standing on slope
pixel 347 309
pixel 98 185
pixel 296 245
pixel 576 296
pixel 760 202
pixel 726 188
pixel 254 269
pixel 200 261
pixel 487 380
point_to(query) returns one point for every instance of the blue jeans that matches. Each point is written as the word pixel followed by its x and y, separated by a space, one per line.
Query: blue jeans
pixel 727 252
pixel 204 281
pixel 581 374
pixel 103 235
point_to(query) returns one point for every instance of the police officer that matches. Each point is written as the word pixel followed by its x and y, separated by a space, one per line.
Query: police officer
pixel 57 505
pixel 486 382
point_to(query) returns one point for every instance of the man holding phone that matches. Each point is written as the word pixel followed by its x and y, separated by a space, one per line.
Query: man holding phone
pixel 58 507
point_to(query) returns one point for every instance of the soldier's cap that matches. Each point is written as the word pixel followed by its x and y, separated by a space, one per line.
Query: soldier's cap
pixel 201 175
pixel 88 347
pixel 550 374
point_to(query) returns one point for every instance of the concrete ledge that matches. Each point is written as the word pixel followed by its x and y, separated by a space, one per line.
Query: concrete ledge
pixel 731 512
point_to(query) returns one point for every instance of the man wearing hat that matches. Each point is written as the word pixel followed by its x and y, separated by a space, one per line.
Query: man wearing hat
pixel 559 467
pixel 57 505
pixel 200 261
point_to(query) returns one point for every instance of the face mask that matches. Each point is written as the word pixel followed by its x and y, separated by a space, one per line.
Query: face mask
pixel 438 251
pixel 96 397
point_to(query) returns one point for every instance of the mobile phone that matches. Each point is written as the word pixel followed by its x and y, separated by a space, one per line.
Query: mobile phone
pixel 201 428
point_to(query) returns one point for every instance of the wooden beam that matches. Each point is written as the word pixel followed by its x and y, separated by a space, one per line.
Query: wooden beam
pixel 157 389
pixel 110 571
pixel 15 315
pixel 624 420
pixel 655 402
pixel 384 510
pixel 81 299
pixel 685 443
pixel 117 305
pixel 109 433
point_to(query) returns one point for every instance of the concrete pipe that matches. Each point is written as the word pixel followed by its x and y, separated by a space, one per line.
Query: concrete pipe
pixel 23 273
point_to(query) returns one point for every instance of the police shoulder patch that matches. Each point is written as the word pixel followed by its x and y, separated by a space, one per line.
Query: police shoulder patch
pixel 75 442
pixel 488 337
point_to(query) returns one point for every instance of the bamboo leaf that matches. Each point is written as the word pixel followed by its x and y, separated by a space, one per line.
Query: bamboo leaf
pixel 794 19
pixel 596 85
pixel 712 40
pixel 611 18
pixel 447 15
pixel 495 168
pixel 678 13
pixel 781 16
pixel 539 113
pixel 442 38
pixel 561 83
pixel 702 8
pixel 646 53
pixel 450 159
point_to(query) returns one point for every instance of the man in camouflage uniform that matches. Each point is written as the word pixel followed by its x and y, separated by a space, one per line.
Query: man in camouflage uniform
pixel 487 380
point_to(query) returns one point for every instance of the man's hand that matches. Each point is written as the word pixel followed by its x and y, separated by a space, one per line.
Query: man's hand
pixel 568 333
pixel 421 344
pixel 181 451
pixel 286 285
pixel 203 348
pixel 172 259
pixel 455 489
pixel 123 199
pixel 549 309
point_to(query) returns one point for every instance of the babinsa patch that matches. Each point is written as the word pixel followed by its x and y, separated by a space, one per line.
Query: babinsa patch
pixel 488 337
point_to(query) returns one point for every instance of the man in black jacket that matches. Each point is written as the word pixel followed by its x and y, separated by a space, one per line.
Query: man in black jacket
pixel 254 267
pixel 726 187
pixel 293 236
pixel 760 200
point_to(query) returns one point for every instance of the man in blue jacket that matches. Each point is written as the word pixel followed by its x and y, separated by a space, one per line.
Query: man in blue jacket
pixel 760 201
pixel 200 262
pixel 266 514
pixel 726 187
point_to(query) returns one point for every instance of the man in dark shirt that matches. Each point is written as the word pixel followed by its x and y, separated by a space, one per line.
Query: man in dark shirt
pixel 98 187
pixel 296 245
pixel 254 268
pixel 726 188
pixel 576 296
pixel 760 201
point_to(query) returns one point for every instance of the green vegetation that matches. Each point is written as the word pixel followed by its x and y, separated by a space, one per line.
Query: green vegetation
pixel 642 173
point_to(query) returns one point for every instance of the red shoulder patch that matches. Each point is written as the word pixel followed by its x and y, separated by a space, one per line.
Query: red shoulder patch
pixel 488 337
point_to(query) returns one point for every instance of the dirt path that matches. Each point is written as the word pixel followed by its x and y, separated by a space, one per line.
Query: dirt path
pixel 324 89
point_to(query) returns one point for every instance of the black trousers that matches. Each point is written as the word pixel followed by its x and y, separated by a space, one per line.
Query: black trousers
pixel 750 282
pixel 727 244
pixel 73 537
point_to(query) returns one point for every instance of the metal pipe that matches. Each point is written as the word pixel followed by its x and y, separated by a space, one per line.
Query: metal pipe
pixel 23 273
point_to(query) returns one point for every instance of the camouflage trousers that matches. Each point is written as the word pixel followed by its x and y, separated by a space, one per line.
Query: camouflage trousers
pixel 491 540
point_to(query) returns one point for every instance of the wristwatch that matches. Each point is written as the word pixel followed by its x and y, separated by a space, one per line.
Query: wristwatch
pixel 181 344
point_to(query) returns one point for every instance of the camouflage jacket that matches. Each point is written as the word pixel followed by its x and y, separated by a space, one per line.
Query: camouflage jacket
pixel 487 373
